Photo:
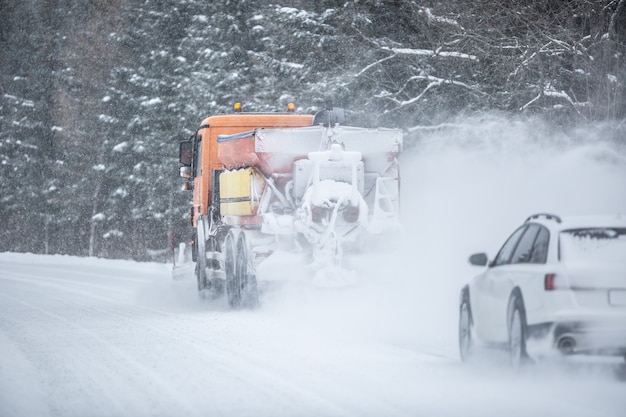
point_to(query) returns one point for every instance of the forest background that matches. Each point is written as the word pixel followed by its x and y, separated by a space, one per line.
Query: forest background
pixel 95 95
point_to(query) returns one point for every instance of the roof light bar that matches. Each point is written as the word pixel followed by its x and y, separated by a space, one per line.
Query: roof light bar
pixel 546 215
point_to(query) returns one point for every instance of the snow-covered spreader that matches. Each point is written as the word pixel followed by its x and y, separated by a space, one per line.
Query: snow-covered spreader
pixel 271 188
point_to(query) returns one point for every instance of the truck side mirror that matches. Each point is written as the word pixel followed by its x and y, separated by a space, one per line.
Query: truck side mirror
pixel 185 153
pixel 185 172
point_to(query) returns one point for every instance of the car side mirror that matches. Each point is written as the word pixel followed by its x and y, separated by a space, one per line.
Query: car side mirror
pixel 479 259
pixel 185 153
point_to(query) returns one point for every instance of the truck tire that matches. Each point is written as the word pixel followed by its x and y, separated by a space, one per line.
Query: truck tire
pixel 201 261
pixel 241 287
pixel 233 293
pixel 249 295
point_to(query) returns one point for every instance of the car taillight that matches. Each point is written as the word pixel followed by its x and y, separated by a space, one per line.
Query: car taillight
pixel 553 282
pixel 548 282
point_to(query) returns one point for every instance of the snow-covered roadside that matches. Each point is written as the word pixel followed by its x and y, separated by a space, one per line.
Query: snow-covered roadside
pixel 21 393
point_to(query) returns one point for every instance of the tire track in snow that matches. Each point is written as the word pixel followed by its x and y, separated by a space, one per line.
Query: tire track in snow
pixel 229 364
pixel 242 364
pixel 95 362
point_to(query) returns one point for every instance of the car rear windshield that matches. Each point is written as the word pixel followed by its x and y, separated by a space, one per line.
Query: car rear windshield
pixel 603 244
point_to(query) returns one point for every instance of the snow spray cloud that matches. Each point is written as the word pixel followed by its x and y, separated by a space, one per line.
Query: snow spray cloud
pixel 464 188
pixel 485 175
pixel 467 186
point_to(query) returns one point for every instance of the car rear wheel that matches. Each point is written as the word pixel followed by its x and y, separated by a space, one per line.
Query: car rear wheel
pixel 517 332
pixel 466 343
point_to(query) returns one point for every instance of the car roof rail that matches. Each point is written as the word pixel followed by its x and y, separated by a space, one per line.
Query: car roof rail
pixel 545 215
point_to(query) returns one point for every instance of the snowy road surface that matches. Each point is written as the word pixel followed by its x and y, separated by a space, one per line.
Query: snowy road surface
pixel 89 337
pixel 83 337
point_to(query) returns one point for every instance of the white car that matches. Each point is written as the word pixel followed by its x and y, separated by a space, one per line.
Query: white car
pixel 555 279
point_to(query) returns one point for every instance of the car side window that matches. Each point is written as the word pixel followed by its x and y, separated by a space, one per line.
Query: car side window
pixel 524 249
pixel 506 251
pixel 540 249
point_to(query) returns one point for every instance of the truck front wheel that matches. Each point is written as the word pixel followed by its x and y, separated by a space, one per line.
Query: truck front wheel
pixel 201 261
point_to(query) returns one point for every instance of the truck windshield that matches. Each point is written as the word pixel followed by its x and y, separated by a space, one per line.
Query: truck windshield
pixel 593 244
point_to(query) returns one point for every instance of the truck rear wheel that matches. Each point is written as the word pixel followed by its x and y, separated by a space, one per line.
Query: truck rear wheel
pixel 201 279
pixel 249 296
pixel 241 288
pixel 230 251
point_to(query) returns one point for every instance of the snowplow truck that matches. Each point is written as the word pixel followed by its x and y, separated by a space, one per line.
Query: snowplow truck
pixel 285 186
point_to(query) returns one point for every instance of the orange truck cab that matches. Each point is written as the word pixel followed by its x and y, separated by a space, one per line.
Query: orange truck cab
pixel 199 155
